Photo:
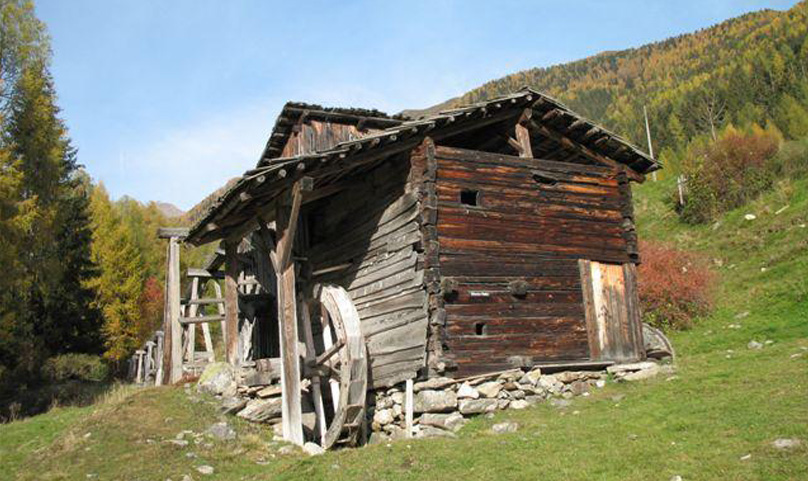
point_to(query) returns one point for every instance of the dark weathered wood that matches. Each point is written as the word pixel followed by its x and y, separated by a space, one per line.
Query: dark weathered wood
pixel 523 134
pixel 583 150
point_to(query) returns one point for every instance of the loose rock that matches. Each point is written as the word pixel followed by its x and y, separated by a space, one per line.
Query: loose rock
pixel 312 449
pixel 754 345
pixel 261 410
pixel 204 469
pixel 786 443
pixel 506 427
pixel 217 378
pixel 222 431
pixel 451 422
pixel 519 404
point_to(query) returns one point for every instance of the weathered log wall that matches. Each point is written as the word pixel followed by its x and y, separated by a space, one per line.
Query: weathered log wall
pixel 317 136
pixel 509 264
pixel 373 229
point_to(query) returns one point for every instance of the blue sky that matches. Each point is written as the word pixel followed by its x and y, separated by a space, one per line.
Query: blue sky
pixel 166 100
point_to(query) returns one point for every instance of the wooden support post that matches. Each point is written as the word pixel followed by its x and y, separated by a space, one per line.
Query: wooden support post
pixel 172 358
pixel 158 376
pixel 231 302
pixel 140 361
pixel 523 135
pixel 191 310
pixel 408 406
pixel 217 289
pixel 286 220
pixel 149 359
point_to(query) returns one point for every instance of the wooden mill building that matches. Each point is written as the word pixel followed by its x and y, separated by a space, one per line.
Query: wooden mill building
pixel 365 250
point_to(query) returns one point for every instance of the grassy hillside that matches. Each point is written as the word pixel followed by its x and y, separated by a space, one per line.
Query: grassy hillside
pixel 715 419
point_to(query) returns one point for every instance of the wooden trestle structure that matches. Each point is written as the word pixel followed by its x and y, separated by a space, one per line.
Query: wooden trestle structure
pixel 382 250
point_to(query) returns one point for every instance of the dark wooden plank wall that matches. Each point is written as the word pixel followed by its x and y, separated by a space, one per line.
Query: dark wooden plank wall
pixel 258 324
pixel 317 136
pixel 534 220
pixel 374 226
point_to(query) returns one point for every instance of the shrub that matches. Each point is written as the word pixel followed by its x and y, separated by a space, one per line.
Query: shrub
pixel 729 172
pixel 792 160
pixel 82 367
pixel 675 286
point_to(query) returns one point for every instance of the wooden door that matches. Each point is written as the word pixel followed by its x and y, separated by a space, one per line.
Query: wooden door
pixel 612 315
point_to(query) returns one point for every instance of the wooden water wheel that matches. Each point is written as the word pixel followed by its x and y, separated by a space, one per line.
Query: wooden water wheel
pixel 336 365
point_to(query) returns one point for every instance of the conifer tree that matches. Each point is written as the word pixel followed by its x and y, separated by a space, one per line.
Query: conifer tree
pixel 119 283
pixel 54 248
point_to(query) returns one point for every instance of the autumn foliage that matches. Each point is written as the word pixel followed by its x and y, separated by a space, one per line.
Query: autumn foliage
pixel 675 286
pixel 729 172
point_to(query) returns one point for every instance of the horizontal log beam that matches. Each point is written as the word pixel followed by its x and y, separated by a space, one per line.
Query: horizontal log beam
pixel 175 232
pixel 586 152
pixel 200 320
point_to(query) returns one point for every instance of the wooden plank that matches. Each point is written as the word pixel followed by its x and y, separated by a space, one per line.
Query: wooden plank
pixel 284 249
pixel 585 151
pixel 204 300
pixel 174 336
pixel 408 407
pixel 191 311
pixel 172 232
pixel 523 135
pixel 585 267
pixel 286 222
pixel 203 273
pixel 190 321
pixel 231 302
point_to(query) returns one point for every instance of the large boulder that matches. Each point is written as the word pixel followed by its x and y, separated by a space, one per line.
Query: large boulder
pixel 429 401
pixel 217 379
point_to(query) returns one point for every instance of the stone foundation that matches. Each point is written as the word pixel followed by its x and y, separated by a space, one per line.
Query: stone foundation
pixel 441 405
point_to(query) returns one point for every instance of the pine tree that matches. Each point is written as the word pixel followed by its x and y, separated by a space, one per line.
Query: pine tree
pixel 54 248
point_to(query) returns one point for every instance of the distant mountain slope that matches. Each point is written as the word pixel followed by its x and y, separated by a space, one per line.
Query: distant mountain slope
pixel 750 68
pixel 169 210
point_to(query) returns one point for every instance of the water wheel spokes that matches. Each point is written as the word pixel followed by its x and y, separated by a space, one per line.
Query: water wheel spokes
pixel 341 364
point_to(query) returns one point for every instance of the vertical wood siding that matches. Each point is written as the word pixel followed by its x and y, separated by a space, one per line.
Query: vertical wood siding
pixel 317 136
pixel 374 227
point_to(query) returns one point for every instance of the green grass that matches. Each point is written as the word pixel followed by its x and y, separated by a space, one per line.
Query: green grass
pixel 725 402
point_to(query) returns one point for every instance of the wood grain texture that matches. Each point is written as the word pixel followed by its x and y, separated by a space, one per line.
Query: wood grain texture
pixel 534 220
pixel 372 230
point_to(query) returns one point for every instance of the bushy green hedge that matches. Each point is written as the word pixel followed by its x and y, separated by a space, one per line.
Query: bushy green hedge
pixel 82 367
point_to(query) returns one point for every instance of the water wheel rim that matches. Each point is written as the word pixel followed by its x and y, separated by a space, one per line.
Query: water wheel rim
pixel 353 362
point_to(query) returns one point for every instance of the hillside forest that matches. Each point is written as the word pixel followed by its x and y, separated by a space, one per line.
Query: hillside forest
pixel 84 273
